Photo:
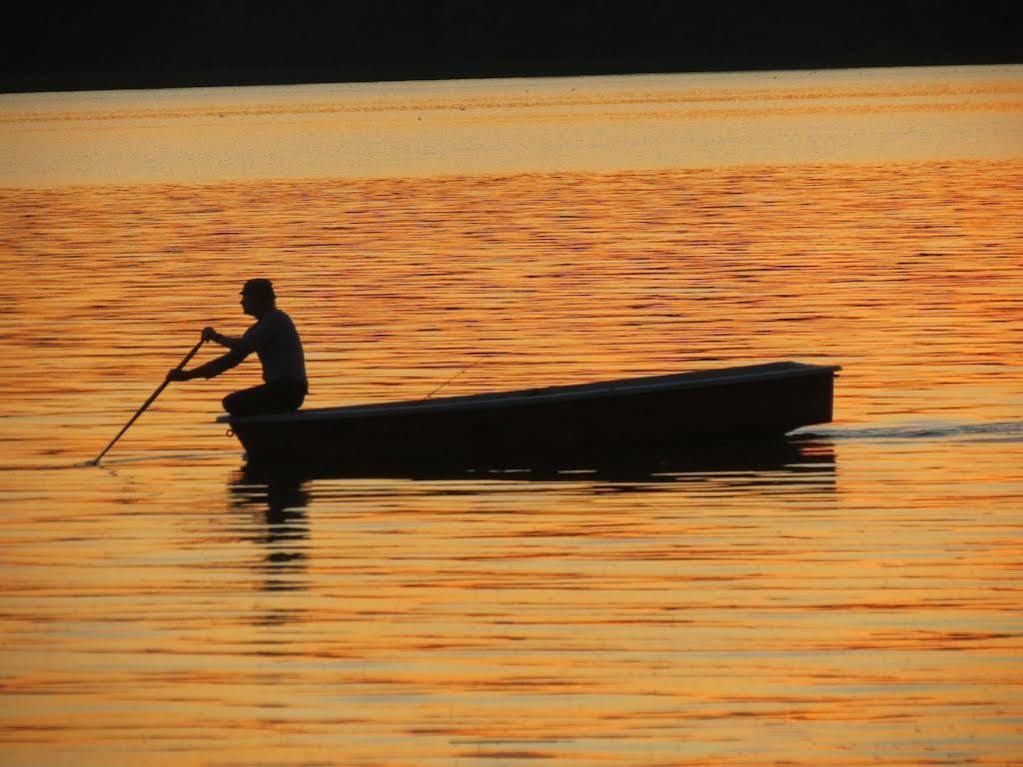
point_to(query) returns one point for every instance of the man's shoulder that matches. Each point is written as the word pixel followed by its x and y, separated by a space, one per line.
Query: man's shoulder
pixel 281 317
pixel 272 319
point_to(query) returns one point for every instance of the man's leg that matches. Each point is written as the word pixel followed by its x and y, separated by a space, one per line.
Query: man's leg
pixel 254 401
pixel 269 398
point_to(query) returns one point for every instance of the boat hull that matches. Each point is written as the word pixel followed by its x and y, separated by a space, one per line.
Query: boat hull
pixel 664 413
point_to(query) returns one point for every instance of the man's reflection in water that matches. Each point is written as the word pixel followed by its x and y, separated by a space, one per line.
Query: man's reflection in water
pixel 277 501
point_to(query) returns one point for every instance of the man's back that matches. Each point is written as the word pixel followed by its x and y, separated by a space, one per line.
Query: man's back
pixel 278 345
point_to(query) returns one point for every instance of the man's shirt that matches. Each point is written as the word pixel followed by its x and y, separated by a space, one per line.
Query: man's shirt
pixel 275 340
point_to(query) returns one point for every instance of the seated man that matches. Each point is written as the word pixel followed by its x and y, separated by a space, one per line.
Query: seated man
pixel 275 340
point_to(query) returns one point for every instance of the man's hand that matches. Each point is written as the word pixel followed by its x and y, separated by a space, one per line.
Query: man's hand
pixel 177 374
pixel 208 334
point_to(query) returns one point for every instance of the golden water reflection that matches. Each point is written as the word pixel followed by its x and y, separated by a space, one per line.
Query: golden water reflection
pixel 815 611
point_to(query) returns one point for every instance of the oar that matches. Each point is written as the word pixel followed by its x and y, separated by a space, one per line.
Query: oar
pixel 148 402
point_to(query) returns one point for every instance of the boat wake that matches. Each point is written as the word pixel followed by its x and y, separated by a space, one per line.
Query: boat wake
pixel 1001 431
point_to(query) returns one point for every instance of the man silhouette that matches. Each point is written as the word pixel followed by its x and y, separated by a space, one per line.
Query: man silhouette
pixel 273 337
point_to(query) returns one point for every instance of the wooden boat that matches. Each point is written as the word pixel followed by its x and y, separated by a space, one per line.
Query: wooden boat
pixel 563 423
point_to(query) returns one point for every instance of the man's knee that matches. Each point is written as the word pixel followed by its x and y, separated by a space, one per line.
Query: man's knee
pixel 230 403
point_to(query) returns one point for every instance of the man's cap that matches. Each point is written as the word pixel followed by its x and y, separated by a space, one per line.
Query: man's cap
pixel 260 287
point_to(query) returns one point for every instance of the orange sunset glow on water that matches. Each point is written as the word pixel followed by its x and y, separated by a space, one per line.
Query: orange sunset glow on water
pixel 851 600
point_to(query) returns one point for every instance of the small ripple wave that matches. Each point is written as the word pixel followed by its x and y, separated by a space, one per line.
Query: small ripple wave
pixel 1000 431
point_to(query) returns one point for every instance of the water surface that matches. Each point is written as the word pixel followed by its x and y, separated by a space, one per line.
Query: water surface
pixel 852 599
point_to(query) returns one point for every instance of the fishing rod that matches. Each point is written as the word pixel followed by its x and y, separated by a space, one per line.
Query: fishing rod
pixel 463 370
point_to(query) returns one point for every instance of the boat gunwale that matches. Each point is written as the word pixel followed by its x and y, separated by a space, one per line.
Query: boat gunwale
pixel 545 395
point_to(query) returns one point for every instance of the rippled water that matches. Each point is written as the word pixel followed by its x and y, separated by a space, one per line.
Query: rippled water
pixel 853 599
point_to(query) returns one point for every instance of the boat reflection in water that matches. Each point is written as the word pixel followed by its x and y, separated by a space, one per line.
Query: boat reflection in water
pixel 283 486
pixel 276 496
pixel 427 524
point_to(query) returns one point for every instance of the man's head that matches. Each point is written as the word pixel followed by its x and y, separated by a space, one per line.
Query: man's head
pixel 258 297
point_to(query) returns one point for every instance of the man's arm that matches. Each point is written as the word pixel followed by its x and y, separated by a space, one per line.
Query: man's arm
pixel 210 369
pixel 209 334
pixel 254 338
pixel 219 365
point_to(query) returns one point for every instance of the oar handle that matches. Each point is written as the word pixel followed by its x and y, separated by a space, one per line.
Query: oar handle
pixel 149 401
